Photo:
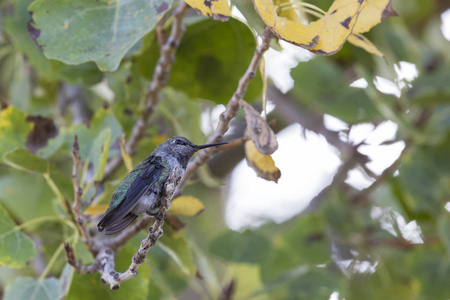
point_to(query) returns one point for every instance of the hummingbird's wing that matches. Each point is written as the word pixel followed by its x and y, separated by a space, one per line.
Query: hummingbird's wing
pixel 116 228
pixel 142 179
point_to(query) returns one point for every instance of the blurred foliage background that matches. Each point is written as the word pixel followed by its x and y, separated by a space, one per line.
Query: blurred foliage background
pixel 348 244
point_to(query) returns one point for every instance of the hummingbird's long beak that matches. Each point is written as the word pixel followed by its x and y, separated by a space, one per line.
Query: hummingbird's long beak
pixel 208 145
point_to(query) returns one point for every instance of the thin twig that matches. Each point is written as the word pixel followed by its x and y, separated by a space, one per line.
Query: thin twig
pixel 161 36
pixel 362 196
pixel 339 178
pixel 159 80
pixel 232 108
pixel 78 191
pixel 70 255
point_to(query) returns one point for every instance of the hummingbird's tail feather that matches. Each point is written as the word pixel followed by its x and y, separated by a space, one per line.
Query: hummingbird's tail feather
pixel 117 226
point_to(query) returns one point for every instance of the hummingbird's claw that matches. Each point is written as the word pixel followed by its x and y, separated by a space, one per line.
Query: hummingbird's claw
pixel 158 216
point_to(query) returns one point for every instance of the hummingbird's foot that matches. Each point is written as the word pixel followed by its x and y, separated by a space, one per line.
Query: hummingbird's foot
pixel 158 216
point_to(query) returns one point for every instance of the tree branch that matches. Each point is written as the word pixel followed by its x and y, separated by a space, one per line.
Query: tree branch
pixel 231 109
pixel 70 255
pixel 308 119
pixel 339 178
pixel 363 194
pixel 160 76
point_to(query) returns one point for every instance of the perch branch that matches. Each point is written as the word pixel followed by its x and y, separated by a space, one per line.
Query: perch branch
pixel 113 278
pixel 160 76
pixel 231 109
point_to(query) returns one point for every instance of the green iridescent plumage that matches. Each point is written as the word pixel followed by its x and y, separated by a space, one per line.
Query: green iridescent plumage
pixel 143 188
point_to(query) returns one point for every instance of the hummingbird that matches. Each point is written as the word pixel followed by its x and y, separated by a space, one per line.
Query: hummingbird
pixel 142 190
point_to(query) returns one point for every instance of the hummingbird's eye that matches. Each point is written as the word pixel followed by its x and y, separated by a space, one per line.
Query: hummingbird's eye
pixel 179 142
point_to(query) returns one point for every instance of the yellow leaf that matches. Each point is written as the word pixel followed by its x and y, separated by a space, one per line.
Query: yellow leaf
pixel 126 158
pixel 263 165
pixel 324 36
pixel 373 13
pixel 258 130
pixel 103 157
pixel 362 42
pixel 328 34
pixel 215 9
pixel 96 210
pixel 5 115
pixel 289 13
pixel 186 206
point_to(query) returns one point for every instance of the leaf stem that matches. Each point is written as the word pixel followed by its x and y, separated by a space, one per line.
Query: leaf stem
pixel 54 187
pixel 29 223
pixel 51 262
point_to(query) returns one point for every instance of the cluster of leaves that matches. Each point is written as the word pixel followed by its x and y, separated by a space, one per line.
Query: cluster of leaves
pixel 52 92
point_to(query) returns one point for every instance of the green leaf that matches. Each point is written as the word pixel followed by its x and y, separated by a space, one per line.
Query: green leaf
pixel 211 59
pixel 26 203
pixel 105 118
pixel 423 173
pixel 16 249
pixel 177 248
pixel 87 73
pixel 431 88
pixel 99 152
pixel 301 282
pixel 64 137
pixel 77 31
pixel 14 130
pixel 318 283
pixel 421 273
pixel 25 160
pixel 16 27
pixel 444 231
pixel 330 92
pixel 186 121
pixel 35 289
pixel 431 270
pixel 241 247
pixel 307 240
pixel 20 88
pixel 282 261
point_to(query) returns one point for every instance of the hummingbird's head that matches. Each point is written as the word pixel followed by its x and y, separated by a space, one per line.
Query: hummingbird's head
pixel 182 148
